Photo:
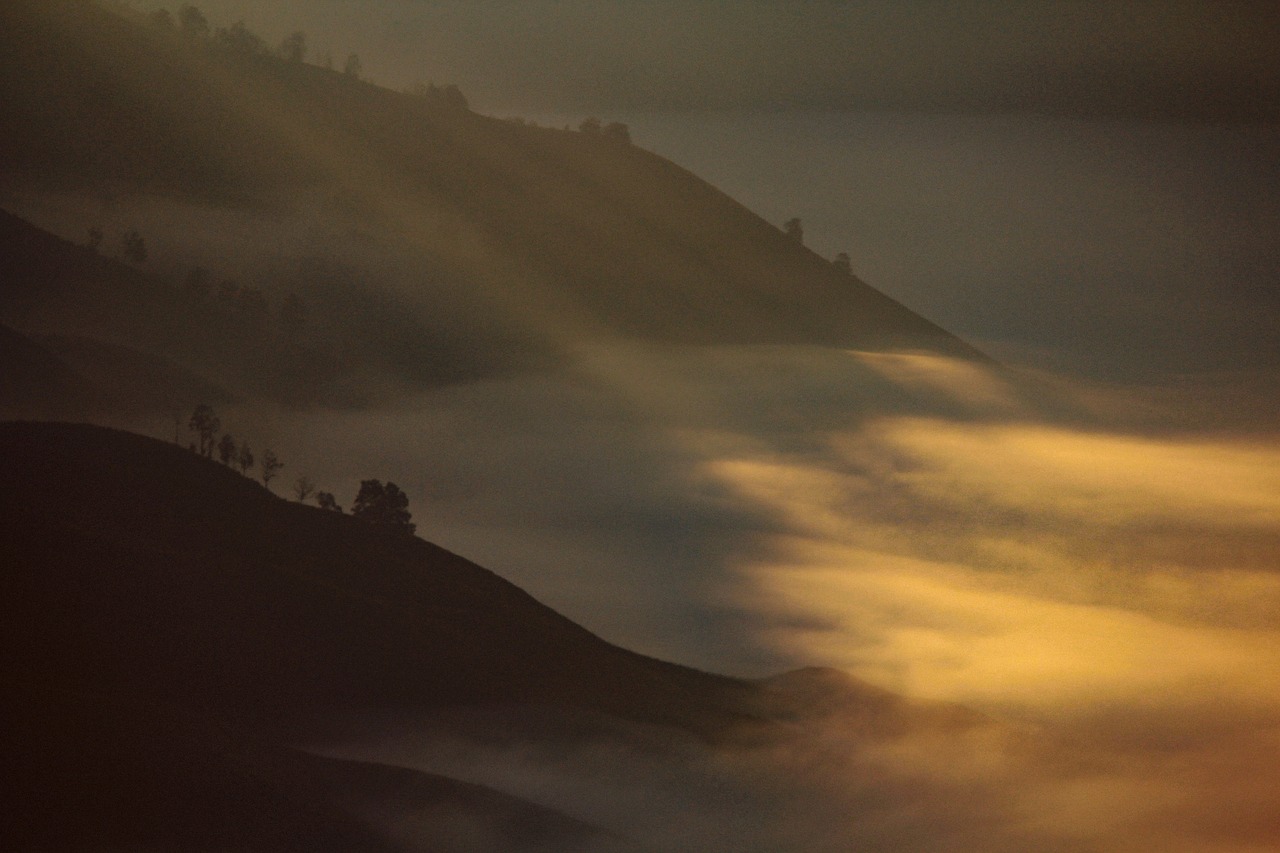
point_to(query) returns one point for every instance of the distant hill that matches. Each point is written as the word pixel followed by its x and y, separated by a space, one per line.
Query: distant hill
pixel 142 342
pixel 563 232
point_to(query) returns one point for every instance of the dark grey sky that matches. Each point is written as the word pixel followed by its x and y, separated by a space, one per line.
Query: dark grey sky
pixel 1187 58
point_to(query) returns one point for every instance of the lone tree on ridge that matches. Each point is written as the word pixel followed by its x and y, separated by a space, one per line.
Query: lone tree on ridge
pixel 245 459
pixel 303 487
pixel 227 448
pixel 271 466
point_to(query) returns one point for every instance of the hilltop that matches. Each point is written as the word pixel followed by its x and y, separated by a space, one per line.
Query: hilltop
pixel 214 590
pixel 489 229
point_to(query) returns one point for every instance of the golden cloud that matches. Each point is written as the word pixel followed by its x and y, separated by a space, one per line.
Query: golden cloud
pixel 1025 606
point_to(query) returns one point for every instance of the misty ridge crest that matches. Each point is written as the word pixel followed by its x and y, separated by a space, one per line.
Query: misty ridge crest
pixel 492 238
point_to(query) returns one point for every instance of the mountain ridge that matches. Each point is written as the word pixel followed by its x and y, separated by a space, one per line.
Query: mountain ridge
pixel 568 231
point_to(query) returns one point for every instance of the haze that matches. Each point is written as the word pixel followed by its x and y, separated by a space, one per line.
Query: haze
pixel 1079 535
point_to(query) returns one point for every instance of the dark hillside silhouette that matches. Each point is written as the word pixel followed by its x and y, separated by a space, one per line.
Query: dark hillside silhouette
pixel 214 590
pixel 89 771
pixel 167 622
pixel 575 224
pixel 34 380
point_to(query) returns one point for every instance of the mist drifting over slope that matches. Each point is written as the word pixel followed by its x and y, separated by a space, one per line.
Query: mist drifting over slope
pixel 637 399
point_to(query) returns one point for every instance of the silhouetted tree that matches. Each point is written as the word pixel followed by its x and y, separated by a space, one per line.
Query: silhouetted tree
pixel 383 506
pixel 294 47
pixel 227 448
pixel 193 22
pixel 843 263
pixel 240 39
pixel 271 466
pixel 453 96
pixel 325 500
pixel 133 247
pixel 794 229
pixel 95 239
pixel 617 131
pixel 449 95
pixel 352 68
pixel 205 424
pixel 303 487
pixel 244 459
pixel 590 125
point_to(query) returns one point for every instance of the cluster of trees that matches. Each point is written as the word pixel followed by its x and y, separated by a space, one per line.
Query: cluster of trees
pixel 449 95
pixel 614 130
pixel 247 304
pixel 383 505
pixel 206 426
pixel 132 247
pixel 192 24
pixel 794 229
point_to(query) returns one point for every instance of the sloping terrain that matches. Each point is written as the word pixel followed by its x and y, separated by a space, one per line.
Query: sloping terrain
pixel 504 224
pixel 147 342
pixel 93 771
pixel 167 621
pixel 168 627
pixel 212 590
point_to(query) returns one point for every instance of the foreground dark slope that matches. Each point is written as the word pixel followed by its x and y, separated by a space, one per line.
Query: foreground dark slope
pixel 168 628
pixel 596 234
pixel 92 771
pixel 168 625
pixel 137 566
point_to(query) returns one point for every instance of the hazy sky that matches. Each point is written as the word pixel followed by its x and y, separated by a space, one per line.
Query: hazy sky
pixel 1163 57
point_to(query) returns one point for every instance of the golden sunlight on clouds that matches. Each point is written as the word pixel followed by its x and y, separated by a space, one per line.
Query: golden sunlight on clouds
pixel 937 631
pixel 1094 476
pixel 961 381
pixel 999 583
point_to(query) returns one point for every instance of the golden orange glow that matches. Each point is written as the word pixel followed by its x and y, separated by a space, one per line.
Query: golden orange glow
pixel 962 381
pixel 1001 587
pixel 1095 475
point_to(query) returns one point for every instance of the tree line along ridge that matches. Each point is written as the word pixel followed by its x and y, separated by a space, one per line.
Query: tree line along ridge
pixel 383 505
